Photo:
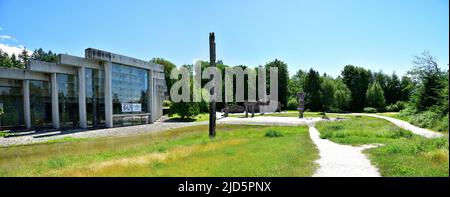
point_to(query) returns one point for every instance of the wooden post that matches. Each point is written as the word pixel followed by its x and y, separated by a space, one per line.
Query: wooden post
pixel 226 109
pixel 253 109
pixel 246 108
pixel 212 105
pixel 301 104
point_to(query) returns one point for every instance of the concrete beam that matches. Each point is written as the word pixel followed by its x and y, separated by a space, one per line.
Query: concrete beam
pixel 26 103
pixel 21 74
pixel 70 60
pixel 82 97
pixel 108 95
pixel 55 102
pixel 100 55
pixel 150 96
pixel 47 67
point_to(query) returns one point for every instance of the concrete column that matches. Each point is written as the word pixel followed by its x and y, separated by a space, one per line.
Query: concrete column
pixel 55 108
pixel 108 95
pixel 82 96
pixel 26 103
pixel 150 96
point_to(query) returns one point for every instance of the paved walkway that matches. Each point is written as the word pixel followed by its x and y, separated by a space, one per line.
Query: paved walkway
pixel 338 160
pixel 406 125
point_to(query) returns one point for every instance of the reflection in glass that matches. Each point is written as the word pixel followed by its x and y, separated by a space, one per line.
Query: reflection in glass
pixel 129 92
pixel 95 95
pixel 68 100
pixel 40 103
pixel 11 101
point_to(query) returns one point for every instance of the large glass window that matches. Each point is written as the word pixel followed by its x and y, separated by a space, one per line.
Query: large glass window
pixel 68 100
pixel 11 101
pixel 40 103
pixel 129 94
pixel 95 95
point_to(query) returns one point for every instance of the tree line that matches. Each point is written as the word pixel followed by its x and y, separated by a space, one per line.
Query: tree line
pixel 421 94
pixel 19 61
pixel 423 90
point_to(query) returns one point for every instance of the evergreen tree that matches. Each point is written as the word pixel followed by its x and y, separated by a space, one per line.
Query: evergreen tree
pixel 283 77
pixel 312 91
pixel 357 80
pixel 375 96
pixel 328 89
pixel 342 95
pixel 427 73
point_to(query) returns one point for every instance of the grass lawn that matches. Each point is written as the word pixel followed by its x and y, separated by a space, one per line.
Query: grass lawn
pixel 237 150
pixel 403 153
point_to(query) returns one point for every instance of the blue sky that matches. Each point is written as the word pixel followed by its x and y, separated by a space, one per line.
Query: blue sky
pixel 325 35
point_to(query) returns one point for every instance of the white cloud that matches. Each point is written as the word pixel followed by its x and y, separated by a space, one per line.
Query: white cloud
pixel 13 49
pixel 6 37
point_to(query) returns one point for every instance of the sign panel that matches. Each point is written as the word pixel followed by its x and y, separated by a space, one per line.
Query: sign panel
pixel 127 107
pixel 131 107
pixel 137 107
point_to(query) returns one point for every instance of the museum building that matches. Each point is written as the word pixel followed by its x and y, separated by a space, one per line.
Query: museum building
pixel 102 89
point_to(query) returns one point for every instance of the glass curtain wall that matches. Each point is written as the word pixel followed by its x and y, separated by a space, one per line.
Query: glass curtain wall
pixel 11 102
pixel 68 100
pixel 129 94
pixel 95 95
pixel 40 103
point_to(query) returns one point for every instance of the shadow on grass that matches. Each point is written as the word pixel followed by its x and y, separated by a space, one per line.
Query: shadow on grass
pixel 180 120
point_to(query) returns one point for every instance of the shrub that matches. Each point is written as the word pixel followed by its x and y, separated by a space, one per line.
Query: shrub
pixel 443 124
pixel 370 110
pixel 167 103
pixel 185 109
pixel 335 110
pixel 273 133
pixel 292 104
pixel 427 119
pixel 396 107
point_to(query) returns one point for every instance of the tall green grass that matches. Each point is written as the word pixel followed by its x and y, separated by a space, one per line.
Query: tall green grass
pixel 237 150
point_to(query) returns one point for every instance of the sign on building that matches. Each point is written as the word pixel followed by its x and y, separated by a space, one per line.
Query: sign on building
pixel 131 107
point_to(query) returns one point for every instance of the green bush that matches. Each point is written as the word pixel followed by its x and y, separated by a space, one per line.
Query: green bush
pixel 427 119
pixel 370 110
pixel 167 103
pixel 185 110
pixel 396 107
pixel 292 104
pixel 273 133
pixel 443 124
pixel 335 110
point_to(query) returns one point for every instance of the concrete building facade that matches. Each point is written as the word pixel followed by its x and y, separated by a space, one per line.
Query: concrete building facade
pixel 102 89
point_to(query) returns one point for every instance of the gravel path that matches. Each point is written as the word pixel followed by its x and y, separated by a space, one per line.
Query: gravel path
pixel 35 137
pixel 406 125
pixel 267 120
pixel 338 160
